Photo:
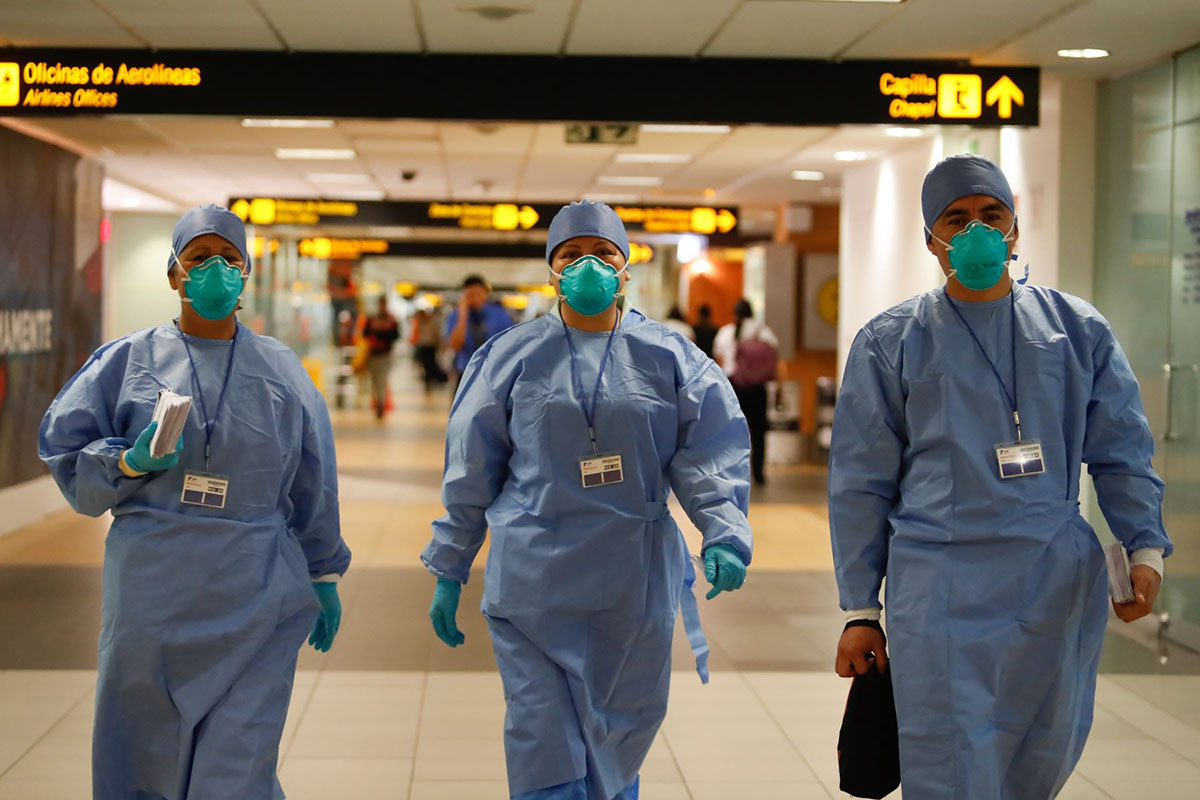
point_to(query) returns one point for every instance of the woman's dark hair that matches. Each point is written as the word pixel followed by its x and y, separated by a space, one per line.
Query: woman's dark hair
pixel 743 311
pixel 675 313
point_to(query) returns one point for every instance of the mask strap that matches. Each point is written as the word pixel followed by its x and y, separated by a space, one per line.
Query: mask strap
pixel 946 245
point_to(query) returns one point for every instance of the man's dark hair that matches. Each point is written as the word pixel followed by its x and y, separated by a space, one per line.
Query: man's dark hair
pixel 705 311
pixel 474 280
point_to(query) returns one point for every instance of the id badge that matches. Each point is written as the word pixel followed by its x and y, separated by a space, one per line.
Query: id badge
pixel 204 489
pixel 1018 459
pixel 601 470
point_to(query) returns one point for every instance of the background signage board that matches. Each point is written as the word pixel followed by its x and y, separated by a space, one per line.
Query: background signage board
pixel 473 216
pixel 37 82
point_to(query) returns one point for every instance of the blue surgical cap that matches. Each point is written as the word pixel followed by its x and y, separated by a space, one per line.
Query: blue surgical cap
pixel 211 218
pixel 959 176
pixel 586 218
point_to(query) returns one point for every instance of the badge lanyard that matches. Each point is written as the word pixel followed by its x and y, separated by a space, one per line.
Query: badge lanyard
pixel 597 469
pixel 589 413
pixel 1012 399
pixel 1022 457
pixel 209 425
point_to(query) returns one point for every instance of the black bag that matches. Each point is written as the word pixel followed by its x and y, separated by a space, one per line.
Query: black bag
pixel 869 742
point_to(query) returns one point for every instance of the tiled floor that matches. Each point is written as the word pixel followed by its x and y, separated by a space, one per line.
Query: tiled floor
pixel 391 713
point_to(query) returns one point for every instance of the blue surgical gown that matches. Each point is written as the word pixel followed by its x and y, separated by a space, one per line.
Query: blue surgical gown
pixel 204 610
pixel 582 585
pixel 996 591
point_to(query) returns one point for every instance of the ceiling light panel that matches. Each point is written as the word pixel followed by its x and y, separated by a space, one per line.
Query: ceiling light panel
pixel 377 27
pixel 539 31
pixel 672 128
pixel 808 175
pixel 338 177
pixel 653 158
pixel 918 30
pixel 315 153
pixel 629 180
pixel 798 29
pixel 655 29
pixel 1086 52
pixel 288 123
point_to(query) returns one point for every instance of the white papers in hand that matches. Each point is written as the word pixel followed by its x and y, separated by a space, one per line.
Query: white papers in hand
pixel 171 413
pixel 1119 584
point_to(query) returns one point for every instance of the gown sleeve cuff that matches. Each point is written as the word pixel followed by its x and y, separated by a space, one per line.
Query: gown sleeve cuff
pixel 130 472
pixel 1150 556
pixel 872 614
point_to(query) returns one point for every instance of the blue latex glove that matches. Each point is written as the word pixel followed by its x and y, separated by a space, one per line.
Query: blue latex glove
pixel 444 609
pixel 138 458
pixel 330 618
pixel 724 569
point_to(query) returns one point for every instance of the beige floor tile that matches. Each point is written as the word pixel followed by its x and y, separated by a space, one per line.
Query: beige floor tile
pixel 456 768
pixel 659 790
pixel 474 749
pixel 757 790
pixel 351 745
pixel 750 770
pixel 12 748
pixel 459 790
pixel 661 770
pixel 322 779
pixel 1149 788
pixel 1158 762
pixel 1080 788
pixel 50 775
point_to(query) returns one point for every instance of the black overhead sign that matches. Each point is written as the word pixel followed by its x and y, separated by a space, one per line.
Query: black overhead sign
pixel 472 216
pixel 45 82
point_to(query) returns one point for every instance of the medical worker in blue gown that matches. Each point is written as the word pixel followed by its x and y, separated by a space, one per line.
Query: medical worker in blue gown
pixel 964 417
pixel 565 438
pixel 220 553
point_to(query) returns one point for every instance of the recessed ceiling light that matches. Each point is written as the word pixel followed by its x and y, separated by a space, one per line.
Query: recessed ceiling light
pixel 629 180
pixel 904 133
pixel 621 199
pixel 685 128
pixel 338 177
pixel 808 175
pixel 315 153
pixel 849 155
pixel 287 123
pixel 361 194
pixel 496 12
pixel 1087 52
pixel 653 158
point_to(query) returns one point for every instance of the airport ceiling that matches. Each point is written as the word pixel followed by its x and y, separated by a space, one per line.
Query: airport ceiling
pixel 178 161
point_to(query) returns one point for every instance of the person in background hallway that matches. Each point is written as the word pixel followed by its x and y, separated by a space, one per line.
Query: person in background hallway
pixel 381 331
pixel 746 349
pixel 566 438
pixel 476 320
pixel 964 416
pixel 209 590
pixel 426 339
pixel 705 331
pixel 676 323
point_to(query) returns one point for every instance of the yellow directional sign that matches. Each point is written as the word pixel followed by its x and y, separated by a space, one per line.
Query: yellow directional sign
pixel 1003 94
pixel 242 209
pixel 640 253
pixel 10 83
pixel 982 96
pixel 960 96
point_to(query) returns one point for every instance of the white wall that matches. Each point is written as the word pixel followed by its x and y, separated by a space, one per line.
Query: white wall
pixel 882 255
pixel 136 291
